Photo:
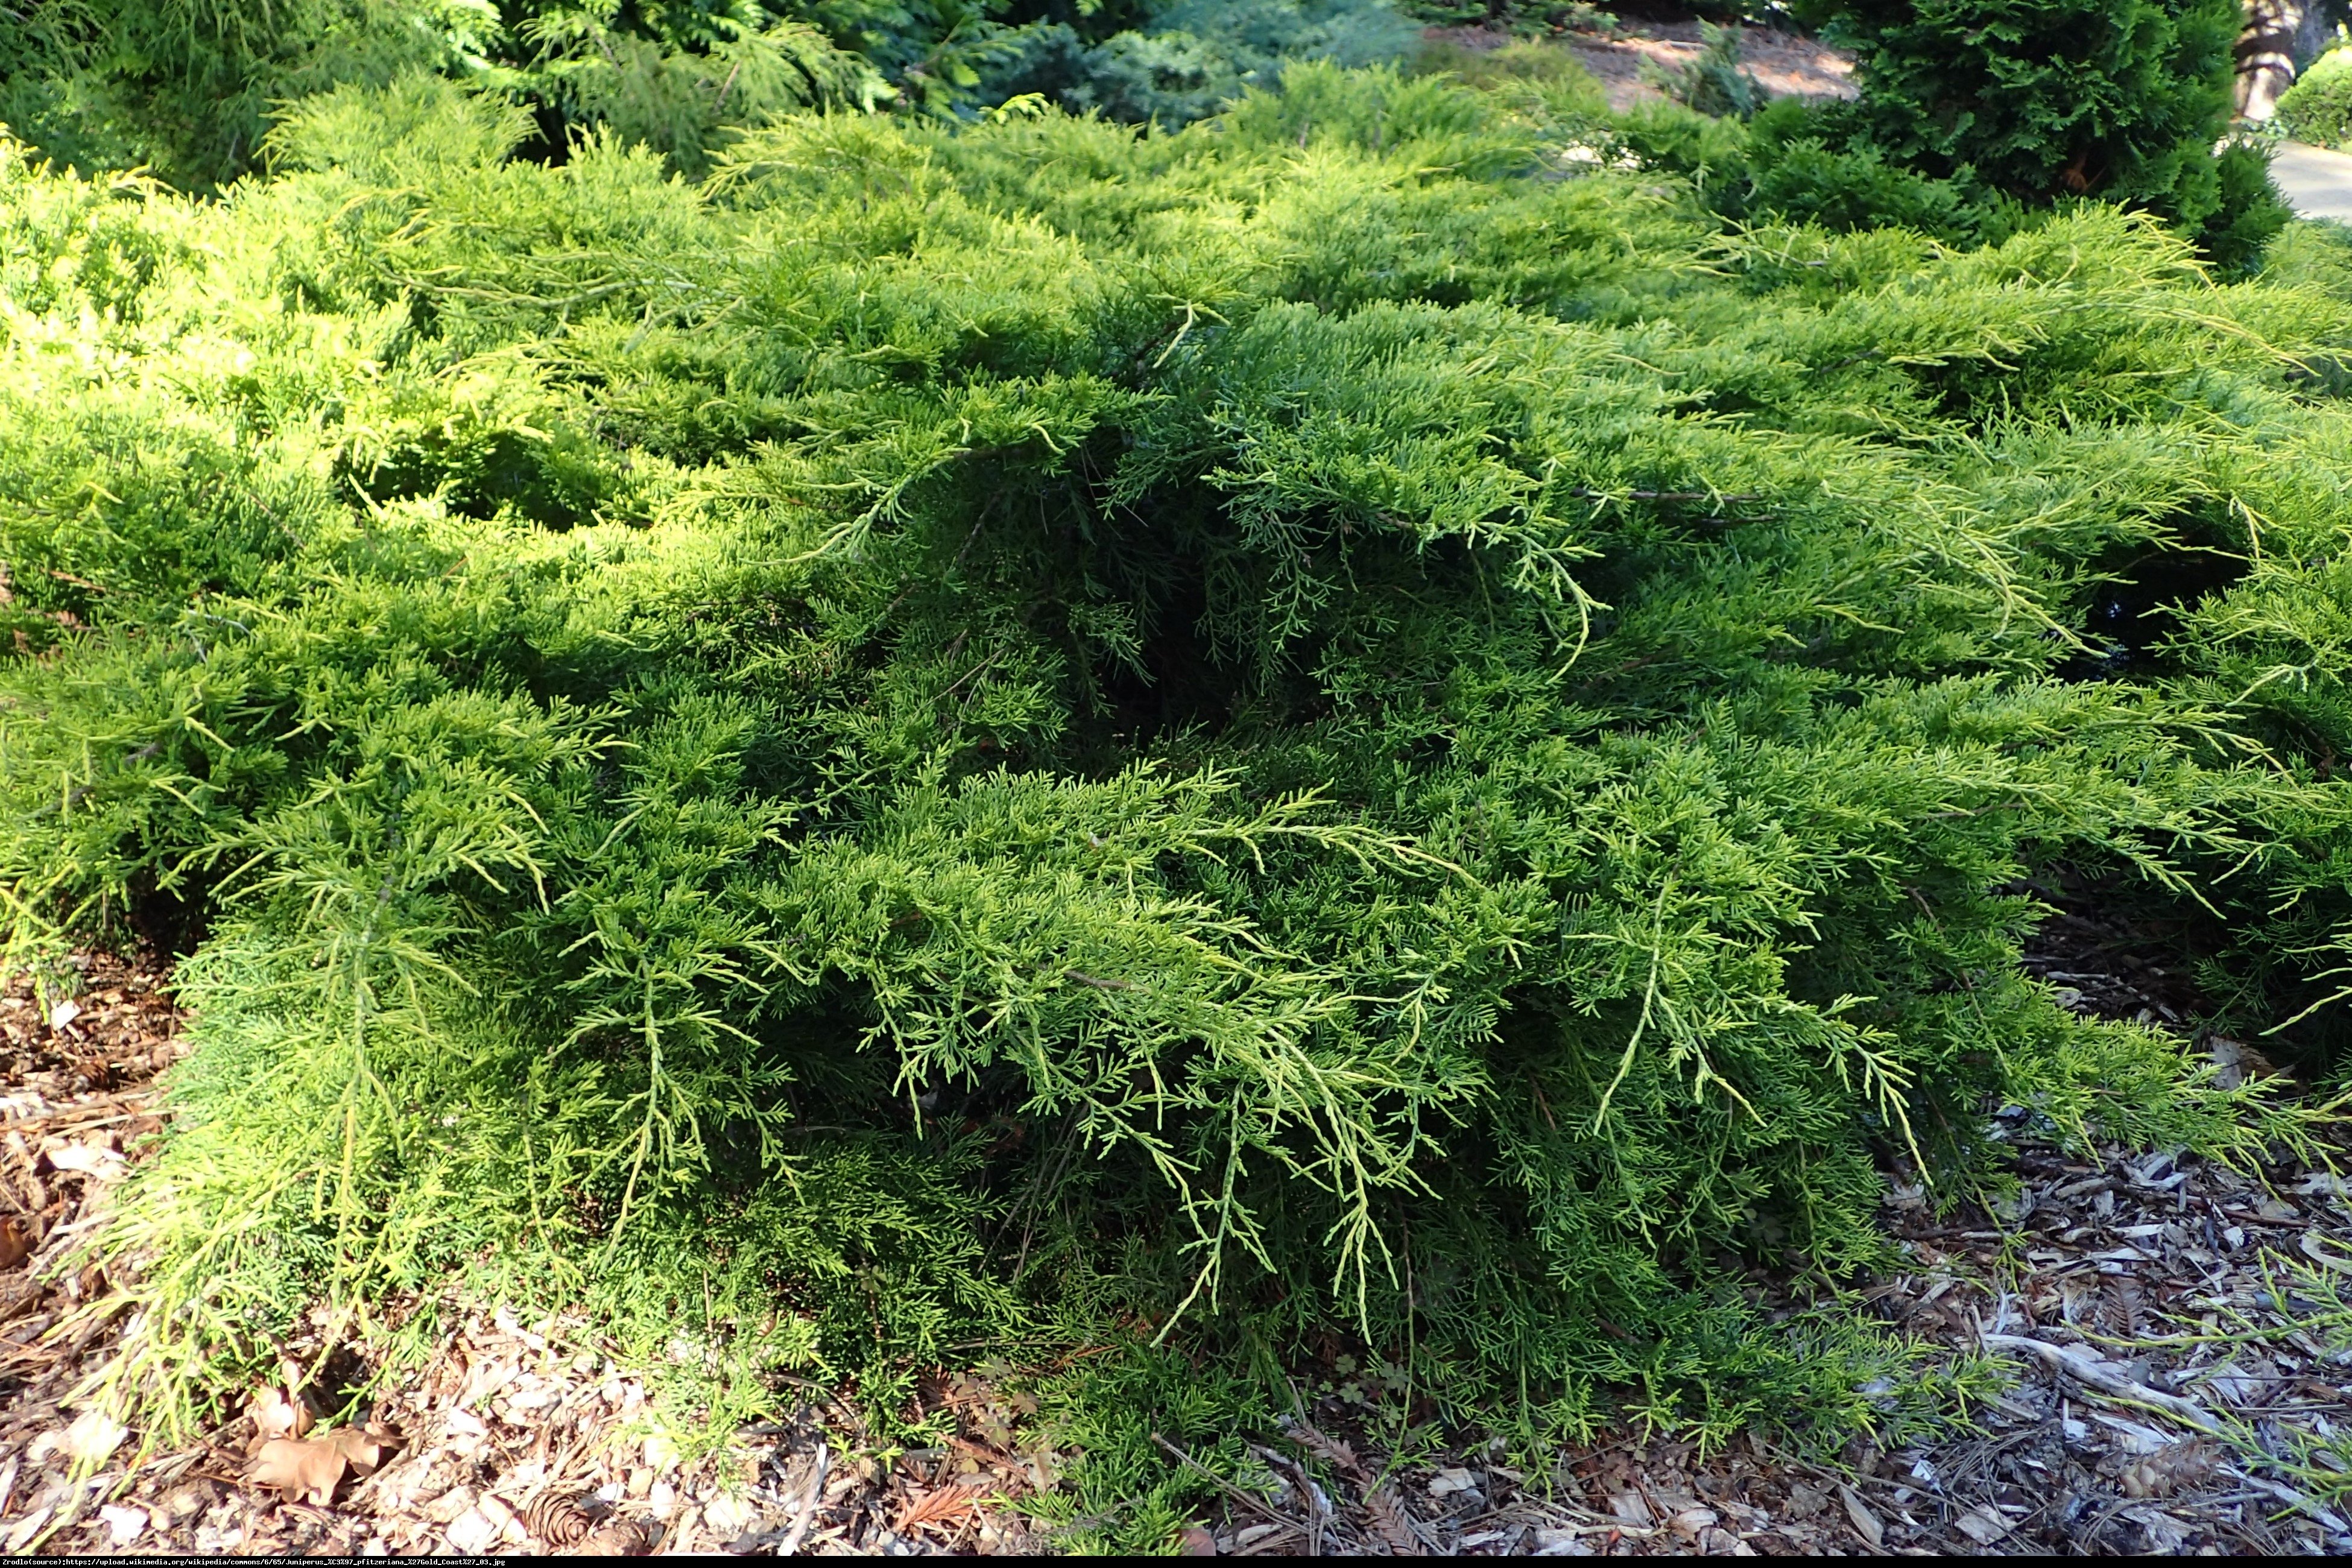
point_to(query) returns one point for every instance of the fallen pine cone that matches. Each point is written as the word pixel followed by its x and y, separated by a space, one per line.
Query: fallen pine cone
pixel 582 1523
pixel 563 1520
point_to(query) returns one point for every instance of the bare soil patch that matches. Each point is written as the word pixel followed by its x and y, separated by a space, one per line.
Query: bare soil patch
pixel 1786 64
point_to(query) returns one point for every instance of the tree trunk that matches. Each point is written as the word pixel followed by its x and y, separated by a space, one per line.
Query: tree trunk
pixel 2280 38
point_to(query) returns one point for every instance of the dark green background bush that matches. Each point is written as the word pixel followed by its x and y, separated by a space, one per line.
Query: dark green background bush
pixel 2038 100
pixel 1973 111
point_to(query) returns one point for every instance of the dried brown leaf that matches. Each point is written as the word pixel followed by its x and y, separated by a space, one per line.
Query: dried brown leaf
pixel 364 1448
pixel 299 1469
pixel 16 1241
pixel 275 1415
pixel 938 1506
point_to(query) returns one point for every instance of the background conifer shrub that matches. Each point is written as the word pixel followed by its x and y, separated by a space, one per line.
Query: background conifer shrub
pixel 1333 724
pixel 2038 100
pixel 1714 81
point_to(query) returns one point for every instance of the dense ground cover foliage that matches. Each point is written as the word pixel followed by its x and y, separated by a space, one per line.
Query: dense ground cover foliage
pixel 1356 728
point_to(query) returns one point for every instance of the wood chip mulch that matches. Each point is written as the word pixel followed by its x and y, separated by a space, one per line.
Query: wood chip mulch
pixel 77 1106
pixel 2181 1334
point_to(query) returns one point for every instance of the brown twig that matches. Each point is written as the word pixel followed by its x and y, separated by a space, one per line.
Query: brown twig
pixel 1227 1487
pixel 798 1531
pixel 2099 1375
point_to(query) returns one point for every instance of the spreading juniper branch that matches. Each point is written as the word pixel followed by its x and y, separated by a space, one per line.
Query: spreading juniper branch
pixel 1028 678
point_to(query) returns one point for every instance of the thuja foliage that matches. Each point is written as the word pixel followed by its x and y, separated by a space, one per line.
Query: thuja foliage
pixel 1351 727
pixel 2035 100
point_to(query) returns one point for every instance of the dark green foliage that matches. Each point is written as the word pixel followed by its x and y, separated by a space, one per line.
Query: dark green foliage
pixel 1521 17
pixel 1191 58
pixel 678 88
pixel 2318 107
pixel 1799 167
pixel 187 90
pixel 184 89
pixel 2042 99
pixel 1352 721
